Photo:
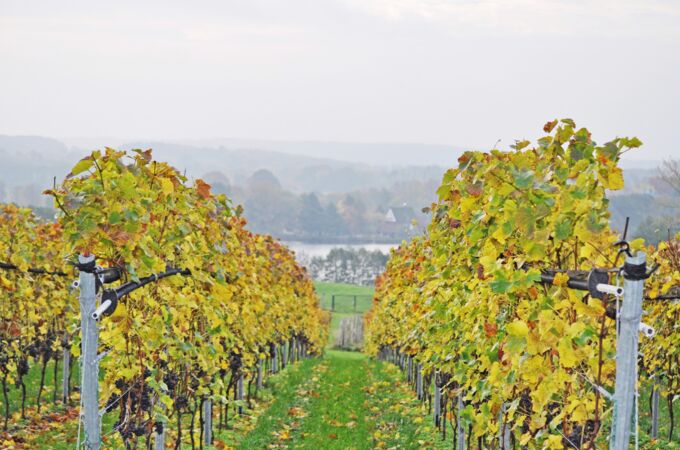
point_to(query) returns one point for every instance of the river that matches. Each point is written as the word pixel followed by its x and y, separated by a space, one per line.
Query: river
pixel 322 250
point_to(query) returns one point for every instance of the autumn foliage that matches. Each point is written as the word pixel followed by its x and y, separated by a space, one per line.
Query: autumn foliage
pixel 182 338
pixel 464 300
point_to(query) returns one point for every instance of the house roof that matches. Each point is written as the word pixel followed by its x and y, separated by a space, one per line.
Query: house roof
pixel 401 214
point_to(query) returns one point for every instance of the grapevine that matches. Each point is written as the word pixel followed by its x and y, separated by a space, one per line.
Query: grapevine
pixel 465 299
pixel 173 344
pixel 36 311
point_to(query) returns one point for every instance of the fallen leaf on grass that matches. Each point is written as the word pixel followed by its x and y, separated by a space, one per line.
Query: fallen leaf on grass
pixel 296 412
pixel 284 435
pixel 221 445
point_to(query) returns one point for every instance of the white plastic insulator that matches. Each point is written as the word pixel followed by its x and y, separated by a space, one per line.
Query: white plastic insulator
pixel 102 308
pixel 610 289
pixel 646 330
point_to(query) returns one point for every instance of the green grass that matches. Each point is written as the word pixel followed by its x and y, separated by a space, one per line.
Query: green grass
pixel 344 296
pixel 337 415
pixel 55 427
pixel 323 287
pixel 32 382
pixel 344 401
pixel 664 422
pixel 283 388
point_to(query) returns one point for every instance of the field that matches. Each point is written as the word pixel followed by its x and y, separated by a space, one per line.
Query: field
pixel 345 295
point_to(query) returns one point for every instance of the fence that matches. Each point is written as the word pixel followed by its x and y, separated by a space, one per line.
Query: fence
pixel 350 333
pixel 345 303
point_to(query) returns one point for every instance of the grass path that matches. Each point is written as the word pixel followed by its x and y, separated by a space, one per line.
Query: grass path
pixel 336 415
pixel 347 402
pixel 343 401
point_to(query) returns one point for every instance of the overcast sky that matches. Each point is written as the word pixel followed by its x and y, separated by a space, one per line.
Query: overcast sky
pixel 458 72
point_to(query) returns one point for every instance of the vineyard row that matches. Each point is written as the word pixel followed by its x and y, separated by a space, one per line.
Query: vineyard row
pixel 523 306
pixel 180 308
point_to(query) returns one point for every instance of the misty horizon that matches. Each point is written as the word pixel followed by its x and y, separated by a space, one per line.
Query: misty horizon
pixel 461 75
pixel 439 155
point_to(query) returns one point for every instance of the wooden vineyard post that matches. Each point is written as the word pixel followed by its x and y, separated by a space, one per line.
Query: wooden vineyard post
pixel 656 393
pixel 504 431
pixel 159 441
pixel 207 422
pixel 159 431
pixel 419 381
pixel 239 392
pixel 409 377
pixel 89 361
pixel 273 356
pixel 460 444
pixel 65 371
pixel 629 316
pixel 437 399
pixel 260 362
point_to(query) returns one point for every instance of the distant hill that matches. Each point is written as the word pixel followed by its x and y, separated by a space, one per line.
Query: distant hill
pixel 28 165
pixel 374 154
pixel 296 173
pixel 34 161
pixel 29 159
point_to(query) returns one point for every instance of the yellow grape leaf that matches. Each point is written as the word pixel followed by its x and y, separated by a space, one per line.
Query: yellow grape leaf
pixel 167 401
pixel 637 245
pixel 554 442
pixel 517 328
pixel 166 186
pixel 82 165
pixel 119 313
pixel 5 283
pixel 593 308
pixel 568 356
pixel 615 178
